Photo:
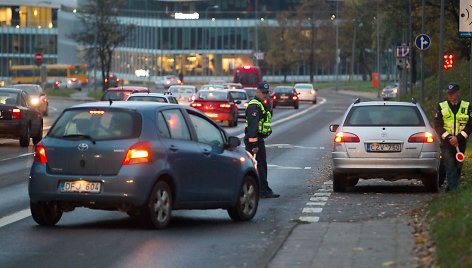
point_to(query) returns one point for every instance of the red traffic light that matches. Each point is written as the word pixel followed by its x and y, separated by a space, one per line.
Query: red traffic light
pixel 448 61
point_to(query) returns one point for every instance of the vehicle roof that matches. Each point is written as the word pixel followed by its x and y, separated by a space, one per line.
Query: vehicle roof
pixel 28 85
pixel 236 90
pixel 386 103
pixel 183 86
pixel 120 88
pixel 10 89
pixel 151 94
pixel 283 87
pixel 132 105
pixel 303 84
pixel 214 90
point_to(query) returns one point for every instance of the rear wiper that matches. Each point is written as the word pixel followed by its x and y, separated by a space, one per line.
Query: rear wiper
pixel 88 137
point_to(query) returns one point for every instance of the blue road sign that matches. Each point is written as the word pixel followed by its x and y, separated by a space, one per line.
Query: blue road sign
pixel 422 41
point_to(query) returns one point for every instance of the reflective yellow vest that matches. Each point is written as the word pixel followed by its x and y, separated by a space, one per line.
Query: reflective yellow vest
pixel 264 121
pixel 454 125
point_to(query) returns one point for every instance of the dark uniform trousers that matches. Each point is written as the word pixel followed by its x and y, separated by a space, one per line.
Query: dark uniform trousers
pixel 261 158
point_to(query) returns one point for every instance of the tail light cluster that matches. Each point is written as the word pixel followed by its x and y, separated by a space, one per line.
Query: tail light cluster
pixel 225 106
pixel 16 113
pixel 346 137
pixel 196 105
pixel 138 154
pixel 421 137
pixel 40 154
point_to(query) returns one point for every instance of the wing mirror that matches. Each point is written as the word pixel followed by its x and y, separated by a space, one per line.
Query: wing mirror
pixel 233 142
pixel 333 128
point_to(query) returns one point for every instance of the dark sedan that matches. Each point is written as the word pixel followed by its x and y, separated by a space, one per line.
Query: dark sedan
pixel 143 158
pixel 285 96
pixel 18 119
pixel 37 96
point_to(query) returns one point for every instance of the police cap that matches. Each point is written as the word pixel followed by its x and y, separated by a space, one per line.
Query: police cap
pixel 263 87
pixel 452 88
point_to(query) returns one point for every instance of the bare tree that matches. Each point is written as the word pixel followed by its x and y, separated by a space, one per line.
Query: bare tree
pixel 101 32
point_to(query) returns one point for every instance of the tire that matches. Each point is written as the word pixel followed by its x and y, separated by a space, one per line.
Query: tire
pixel 339 182
pixel 431 183
pixel 156 214
pixel 26 137
pixel 314 101
pixel 45 213
pixel 442 173
pixel 247 202
pixel 39 135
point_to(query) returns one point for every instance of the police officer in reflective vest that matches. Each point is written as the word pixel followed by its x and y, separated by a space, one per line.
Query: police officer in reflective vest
pixel 452 123
pixel 257 129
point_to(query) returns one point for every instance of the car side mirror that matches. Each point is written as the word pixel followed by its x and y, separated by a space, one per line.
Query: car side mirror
pixel 233 142
pixel 333 128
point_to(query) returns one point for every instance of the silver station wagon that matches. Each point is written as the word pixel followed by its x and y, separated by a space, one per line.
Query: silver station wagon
pixel 142 158
pixel 389 140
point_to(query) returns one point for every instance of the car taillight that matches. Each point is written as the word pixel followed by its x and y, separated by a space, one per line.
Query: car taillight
pixel 225 105
pixel 345 137
pixel 274 97
pixel 294 98
pixel 40 154
pixel 138 154
pixel 421 137
pixel 196 105
pixel 16 113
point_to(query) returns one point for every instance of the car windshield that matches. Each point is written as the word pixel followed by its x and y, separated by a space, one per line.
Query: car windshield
pixel 96 124
pixel 238 95
pixel 283 90
pixel 212 95
pixel 147 98
pixel 384 115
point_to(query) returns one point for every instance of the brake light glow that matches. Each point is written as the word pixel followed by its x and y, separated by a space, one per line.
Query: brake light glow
pixel 421 137
pixel 16 113
pixel 274 97
pixel 294 98
pixel 97 112
pixel 225 105
pixel 196 105
pixel 346 137
pixel 40 154
pixel 138 154
pixel 247 67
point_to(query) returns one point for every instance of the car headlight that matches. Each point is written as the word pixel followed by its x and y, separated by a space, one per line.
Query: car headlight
pixel 34 101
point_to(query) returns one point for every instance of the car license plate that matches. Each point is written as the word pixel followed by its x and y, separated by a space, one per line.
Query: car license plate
pixel 80 186
pixel 211 115
pixel 383 147
pixel 284 97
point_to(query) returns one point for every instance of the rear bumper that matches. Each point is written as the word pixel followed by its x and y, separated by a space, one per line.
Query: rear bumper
pixel 390 168
pixel 285 102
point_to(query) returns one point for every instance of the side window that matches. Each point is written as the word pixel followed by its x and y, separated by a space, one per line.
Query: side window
pixel 206 131
pixel 162 126
pixel 24 103
pixel 176 124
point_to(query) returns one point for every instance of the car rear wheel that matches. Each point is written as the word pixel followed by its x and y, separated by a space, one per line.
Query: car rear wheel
pixel 248 200
pixel 25 138
pixel 339 182
pixel 45 213
pixel 431 182
pixel 156 214
pixel 39 135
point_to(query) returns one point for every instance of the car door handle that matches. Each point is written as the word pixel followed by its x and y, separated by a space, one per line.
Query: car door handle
pixel 173 148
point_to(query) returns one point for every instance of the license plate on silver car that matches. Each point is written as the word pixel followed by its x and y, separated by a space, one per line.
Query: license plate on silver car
pixel 384 147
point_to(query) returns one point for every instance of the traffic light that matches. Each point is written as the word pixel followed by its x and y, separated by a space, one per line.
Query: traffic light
pixel 448 61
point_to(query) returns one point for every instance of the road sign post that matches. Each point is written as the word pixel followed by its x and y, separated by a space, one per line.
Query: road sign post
pixel 422 42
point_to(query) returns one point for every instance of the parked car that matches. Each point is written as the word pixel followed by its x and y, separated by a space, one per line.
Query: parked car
pixel 389 92
pixel 18 119
pixel 219 105
pixel 121 93
pixel 306 92
pixel 242 99
pixel 285 96
pixel 37 97
pixel 389 140
pixel 155 97
pixel 143 158
pixel 185 94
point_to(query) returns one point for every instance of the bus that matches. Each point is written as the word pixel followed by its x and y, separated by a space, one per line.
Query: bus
pixel 248 76
pixel 74 75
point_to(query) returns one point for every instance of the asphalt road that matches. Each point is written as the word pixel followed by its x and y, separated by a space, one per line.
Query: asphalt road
pixel 299 165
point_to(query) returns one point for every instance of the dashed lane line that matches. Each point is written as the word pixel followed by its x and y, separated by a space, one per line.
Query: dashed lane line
pixel 312 209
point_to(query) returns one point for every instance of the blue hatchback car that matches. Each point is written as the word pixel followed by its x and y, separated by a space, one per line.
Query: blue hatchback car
pixel 143 158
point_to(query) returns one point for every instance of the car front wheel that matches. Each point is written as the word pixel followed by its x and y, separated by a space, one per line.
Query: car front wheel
pixel 157 212
pixel 248 200
pixel 45 213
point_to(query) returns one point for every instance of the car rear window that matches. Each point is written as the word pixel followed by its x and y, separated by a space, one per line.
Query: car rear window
pixel 283 90
pixel 147 98
pixel 116 95
pixel 177 90
pixel 384 115
pixel 238 95
pixel 97 124
pixel 212 95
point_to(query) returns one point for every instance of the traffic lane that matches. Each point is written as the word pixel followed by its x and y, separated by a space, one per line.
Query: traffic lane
pixel 196 238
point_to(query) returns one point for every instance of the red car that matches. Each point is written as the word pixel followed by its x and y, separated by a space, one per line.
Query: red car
pixel 122 93
pixel 219 105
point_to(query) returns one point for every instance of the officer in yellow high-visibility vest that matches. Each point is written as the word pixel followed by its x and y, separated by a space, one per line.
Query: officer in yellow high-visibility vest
pixel 258 128
pixel 452 123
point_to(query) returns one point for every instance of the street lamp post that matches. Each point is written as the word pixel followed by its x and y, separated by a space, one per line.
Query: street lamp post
pixel 205 36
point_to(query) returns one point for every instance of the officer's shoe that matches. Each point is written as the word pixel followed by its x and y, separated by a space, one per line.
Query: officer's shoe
pixel 269 195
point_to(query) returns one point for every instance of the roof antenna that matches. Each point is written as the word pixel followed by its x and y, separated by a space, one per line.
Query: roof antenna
pixel 357 100
pixel 413 100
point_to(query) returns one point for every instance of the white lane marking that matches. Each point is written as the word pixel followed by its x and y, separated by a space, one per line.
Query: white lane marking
pixel 15 217
pixel 309 219
pixel 15 157
pixel 307 167
pixel 328 182
pixel 53 108
pixel 318 199
pixel 321 101
pixel 283 167
pixel 322 194
pixel 312 210
pixel 324 190
pixel 316 203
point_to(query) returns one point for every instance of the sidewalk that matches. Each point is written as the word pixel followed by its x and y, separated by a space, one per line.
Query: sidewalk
pixel 373 243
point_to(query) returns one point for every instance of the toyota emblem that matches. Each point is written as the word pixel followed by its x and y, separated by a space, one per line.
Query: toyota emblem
pixel 82 147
